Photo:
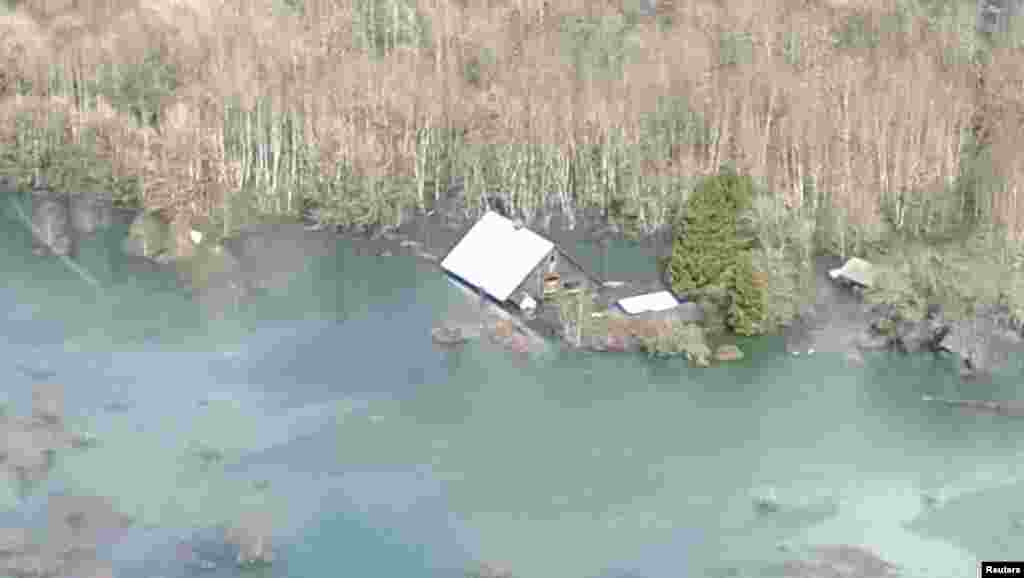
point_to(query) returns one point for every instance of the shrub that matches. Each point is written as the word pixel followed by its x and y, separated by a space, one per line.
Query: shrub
pixel 667 339
pixel 783 259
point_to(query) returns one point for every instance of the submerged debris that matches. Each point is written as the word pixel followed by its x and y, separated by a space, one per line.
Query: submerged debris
pixel 448 336
pixel 728 353
pixel 489 570
pixel 48 402
pixel 1006 408
pixel 840 561
pixel 252 535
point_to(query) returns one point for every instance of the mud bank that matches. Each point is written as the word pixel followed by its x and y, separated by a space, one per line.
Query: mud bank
pixel 840 321
pixel 262 257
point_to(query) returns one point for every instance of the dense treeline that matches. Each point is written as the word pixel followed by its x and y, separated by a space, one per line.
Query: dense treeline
pixel 865 119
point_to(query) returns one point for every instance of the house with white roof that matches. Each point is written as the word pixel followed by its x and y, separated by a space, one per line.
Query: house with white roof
pixel 507 262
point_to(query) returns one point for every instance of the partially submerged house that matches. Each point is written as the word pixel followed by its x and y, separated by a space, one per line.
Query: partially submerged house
pixel 503 260
pixel 517 271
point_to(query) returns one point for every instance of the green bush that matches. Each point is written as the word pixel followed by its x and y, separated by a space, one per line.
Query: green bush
pixel 783 259
pixel 667 339
pixel 381 26
pixel 138 89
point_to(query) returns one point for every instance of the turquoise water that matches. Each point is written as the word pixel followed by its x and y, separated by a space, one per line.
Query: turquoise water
pixel 379 455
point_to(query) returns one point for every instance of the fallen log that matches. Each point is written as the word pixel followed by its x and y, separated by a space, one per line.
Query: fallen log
pixel 1007 408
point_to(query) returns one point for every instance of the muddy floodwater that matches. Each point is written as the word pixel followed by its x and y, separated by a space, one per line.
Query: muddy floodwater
pixel 375 453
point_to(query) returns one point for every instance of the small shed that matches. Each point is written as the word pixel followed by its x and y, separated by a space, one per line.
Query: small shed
pixel 856 270
pixel 498 256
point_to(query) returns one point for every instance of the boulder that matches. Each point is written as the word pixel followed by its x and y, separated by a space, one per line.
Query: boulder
pixel 90 212
pixel 76 522
pixel 449 336
pixel 48 402
pixel 51 223
pixel 728 353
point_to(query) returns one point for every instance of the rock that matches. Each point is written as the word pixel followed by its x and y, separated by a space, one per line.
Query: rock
pixel 48 402
pixel 90 212
pixel 447 336
pixel 799 508
pixel 767 503
pixel 51 222
pixel 490 570
pixel 23 448
pixel 728 353
pixel 854 359
pixel 31 564
pixel 252 535
pixel 870 341
pixel 83 521
pixel 385 253
pixel 83 441
pixel 13 541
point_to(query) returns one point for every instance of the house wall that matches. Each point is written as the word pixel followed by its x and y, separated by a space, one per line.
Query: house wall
pixel 534 282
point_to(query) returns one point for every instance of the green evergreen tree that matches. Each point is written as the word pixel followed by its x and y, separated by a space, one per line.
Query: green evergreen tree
pixel 711 255
pixel 746 307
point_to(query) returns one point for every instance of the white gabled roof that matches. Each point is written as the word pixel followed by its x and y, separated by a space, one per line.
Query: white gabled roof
pixel 496 255
pixel 657 301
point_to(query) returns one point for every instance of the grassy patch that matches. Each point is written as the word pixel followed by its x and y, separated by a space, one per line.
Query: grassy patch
pixel 381 26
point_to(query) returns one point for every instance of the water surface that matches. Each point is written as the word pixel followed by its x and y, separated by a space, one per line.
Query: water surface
pixel 380 455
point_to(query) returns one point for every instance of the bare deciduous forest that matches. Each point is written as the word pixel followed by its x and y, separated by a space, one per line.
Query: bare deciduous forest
pixel 866 114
